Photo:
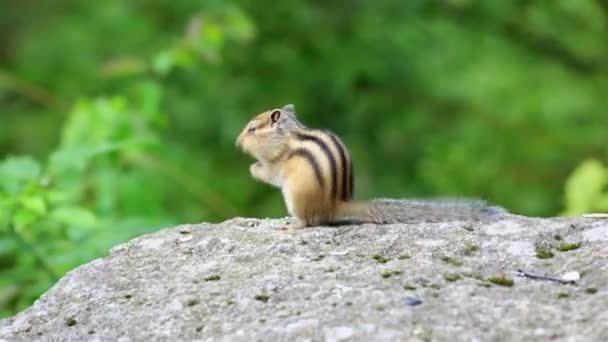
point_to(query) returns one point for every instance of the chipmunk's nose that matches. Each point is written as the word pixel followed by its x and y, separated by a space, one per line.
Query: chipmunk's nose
pixel 239 141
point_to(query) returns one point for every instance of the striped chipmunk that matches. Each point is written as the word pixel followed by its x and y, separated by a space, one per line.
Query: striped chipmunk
pixel 314 171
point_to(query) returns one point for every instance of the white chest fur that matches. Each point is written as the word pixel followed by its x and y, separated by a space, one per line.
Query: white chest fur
pixel 288 199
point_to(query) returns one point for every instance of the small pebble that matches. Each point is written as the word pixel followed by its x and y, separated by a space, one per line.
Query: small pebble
pixel 571 276
pixel 185 238
pixel 411 301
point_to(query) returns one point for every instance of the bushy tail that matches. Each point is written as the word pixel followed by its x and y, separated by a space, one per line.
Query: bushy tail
pixel 417 210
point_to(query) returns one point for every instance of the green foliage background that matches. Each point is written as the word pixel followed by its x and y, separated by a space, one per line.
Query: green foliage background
pixel 119 117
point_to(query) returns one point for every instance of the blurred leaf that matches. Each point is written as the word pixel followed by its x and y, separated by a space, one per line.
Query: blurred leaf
pixel 24 218
pixel 210 40
pixel 163 62
pixel 74 216
pixel 77 157
pixel 584 187
pixel 34 204
pixel 7 245
pixel 238 25
pixel 123 67
pixel 6 211
pixel 149 99
pixel 16 171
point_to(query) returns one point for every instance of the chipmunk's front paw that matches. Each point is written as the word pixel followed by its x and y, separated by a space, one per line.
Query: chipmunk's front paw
pixel 291 227
pixel 256 170
pixel 264 173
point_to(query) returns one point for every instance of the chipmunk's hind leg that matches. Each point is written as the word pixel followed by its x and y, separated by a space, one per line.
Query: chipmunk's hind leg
pixel 305 203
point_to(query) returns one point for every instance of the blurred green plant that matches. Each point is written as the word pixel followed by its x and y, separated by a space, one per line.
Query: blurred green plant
pixel 93 191
pixel 587 188
pixel 59 214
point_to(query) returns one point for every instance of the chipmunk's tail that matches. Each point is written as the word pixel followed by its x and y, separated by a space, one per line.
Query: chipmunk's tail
pixel 417 210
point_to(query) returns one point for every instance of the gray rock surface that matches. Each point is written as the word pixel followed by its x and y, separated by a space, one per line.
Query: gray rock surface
pixel 243 280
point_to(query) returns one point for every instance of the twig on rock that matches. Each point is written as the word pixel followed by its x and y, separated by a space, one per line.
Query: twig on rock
pixel 544 277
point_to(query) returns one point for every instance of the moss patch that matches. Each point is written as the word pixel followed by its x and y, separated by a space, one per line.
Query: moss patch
pixel 451 277
pixel 318 257
pixel 409 287
pixel 474 275
pixel 262 298
pixel 468 227
pixel 565 247
pixel 389 273
pixel 380 259
pixel 501 280
pixel 192 302
pixel 543 253
pixel 470 248
pixel 451 261
pixel 591 290
pixel 213 278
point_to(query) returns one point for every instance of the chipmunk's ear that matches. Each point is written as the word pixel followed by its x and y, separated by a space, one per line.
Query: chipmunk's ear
pixel 289 108
pixel 275 116
pixel 285 118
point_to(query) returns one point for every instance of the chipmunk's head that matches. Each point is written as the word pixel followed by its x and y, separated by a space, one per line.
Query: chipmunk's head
pixel 265 136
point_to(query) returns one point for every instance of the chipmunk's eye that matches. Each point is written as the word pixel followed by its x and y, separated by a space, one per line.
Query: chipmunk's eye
pixel 252 128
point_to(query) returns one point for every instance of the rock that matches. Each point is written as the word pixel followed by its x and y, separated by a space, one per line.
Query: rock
pixel 244 280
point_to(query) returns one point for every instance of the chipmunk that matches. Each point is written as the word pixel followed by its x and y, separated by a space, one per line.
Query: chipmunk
pixel 314 171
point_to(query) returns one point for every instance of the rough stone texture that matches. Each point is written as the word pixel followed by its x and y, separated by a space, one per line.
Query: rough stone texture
pixel 244 280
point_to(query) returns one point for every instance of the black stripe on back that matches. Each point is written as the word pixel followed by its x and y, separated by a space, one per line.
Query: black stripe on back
pixel 306 154
pixel 343 164
pixel 330 157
